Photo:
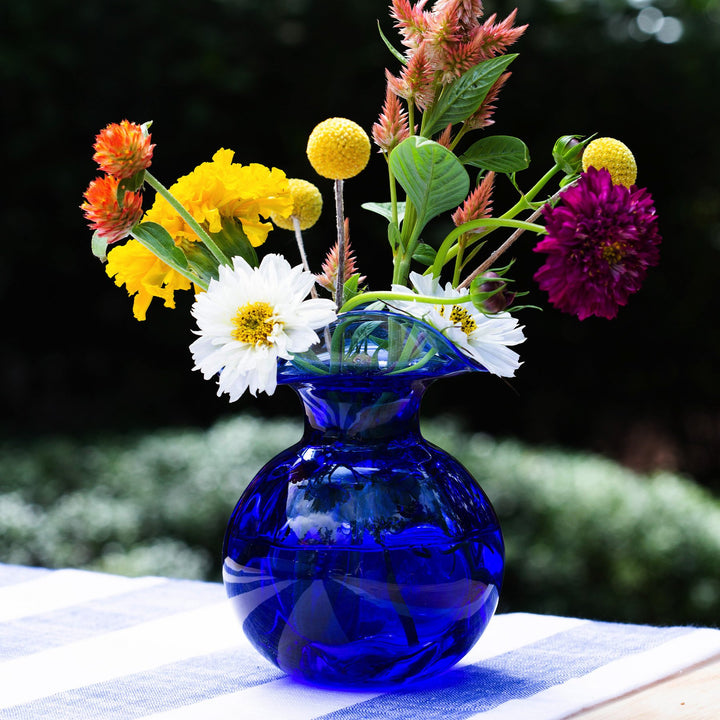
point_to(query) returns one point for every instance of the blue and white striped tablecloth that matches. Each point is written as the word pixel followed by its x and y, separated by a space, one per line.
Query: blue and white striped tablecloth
pixel 76 644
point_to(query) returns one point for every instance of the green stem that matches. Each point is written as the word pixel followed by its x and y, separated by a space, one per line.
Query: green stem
pixel 385 295
pixel 525 201
pixel 442 254
pixel 204 237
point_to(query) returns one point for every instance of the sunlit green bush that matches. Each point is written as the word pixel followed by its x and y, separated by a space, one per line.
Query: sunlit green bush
pixel 584 536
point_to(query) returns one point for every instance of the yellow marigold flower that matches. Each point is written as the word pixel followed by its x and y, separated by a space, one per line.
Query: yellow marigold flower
pixel 615 157
pixel 144 275
pixel 307 205
pixel 224 189
pixel 338 148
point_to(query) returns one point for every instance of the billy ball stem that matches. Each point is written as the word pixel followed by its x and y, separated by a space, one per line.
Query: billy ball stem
pixel 342 245
pixel 301 249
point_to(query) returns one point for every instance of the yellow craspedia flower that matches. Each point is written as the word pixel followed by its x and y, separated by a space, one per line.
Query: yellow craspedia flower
pixel 615 157
pixel 338 148
pixel 144 275
pixel 307 205
pixel 225 189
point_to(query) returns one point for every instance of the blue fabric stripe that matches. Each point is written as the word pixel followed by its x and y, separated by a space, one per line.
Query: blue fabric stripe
pixel 520 674
pixel 35 633
pixel 165 688
pixel 15 574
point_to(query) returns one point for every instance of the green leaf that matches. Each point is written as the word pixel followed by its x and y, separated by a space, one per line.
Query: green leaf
pixel 461 99
pixel 425 254
pixel 394 237
pixel 431 175
pixel 385 209
pixel 396 53
pixel 158 240
pixel 233 241
pixel 500 153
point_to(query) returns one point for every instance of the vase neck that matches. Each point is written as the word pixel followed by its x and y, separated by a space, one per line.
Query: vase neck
pixel 361 411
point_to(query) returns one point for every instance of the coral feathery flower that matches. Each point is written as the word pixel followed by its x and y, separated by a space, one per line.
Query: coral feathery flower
pixel 123 149
pixel 338 148
pixel 329 273
pixel 250 317
pixel 223 189
pixel 478 204
pixel 494 39
pixel 411 21
pixel 416 80
pixel 601 240
pixel 111 220
pixel 392 126
pixel 144 275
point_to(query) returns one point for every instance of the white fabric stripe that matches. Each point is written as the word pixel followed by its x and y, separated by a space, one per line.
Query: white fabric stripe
pixel 283 698
pixel 63 588
pixel 510 631
pixel 505 632
pixel 123 652
pixel 612 680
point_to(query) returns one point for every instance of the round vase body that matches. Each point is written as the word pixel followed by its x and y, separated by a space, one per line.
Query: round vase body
pixel 363 554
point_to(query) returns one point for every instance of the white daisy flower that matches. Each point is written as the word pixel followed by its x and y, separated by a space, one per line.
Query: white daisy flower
pixel 249 317
pixel 485 338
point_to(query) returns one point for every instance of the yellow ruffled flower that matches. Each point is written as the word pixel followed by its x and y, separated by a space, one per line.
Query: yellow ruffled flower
pixel 144 275
pixel 338 148
pixel 615 157
pixel 307 205
pixel 224 189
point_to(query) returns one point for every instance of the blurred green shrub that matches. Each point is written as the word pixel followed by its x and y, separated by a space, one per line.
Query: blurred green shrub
pixel 584 536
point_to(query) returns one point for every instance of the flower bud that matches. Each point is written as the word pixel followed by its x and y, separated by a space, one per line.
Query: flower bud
pixel 567 153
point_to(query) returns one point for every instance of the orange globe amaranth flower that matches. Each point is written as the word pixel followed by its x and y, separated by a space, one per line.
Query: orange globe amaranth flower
pixel 307 205
pixel 111 220
pixel 123 149
pixel 615 157
pixel 338 149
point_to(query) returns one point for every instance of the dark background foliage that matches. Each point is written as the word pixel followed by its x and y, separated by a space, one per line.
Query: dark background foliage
pixel 256 76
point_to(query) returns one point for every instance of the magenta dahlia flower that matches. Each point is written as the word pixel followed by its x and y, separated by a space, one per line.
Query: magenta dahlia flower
pixel 601 240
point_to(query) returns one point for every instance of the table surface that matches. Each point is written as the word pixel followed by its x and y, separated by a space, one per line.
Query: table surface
pixel 76 644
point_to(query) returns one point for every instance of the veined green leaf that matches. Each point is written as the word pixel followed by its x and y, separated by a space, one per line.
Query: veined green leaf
pixel 500 153
pixel 159 241
pixel 461 99
pixel 385 209
pixel 232 241
pixel 431 175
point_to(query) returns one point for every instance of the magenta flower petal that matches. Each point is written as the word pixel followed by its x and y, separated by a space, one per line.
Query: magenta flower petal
pixel 601 240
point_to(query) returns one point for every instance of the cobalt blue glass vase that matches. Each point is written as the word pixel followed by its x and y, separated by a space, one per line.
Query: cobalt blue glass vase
pixel 363 554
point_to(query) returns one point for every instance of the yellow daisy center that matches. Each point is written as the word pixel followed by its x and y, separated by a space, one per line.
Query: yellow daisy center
pixel 254 324
pixel 338 148
pixel 460 316
pixel 615 157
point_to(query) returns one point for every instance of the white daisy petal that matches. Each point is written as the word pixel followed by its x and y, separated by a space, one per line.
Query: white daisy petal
pixel 485 338
pixel 249 317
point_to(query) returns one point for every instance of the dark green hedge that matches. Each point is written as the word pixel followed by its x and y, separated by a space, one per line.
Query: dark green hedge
pixel 584 536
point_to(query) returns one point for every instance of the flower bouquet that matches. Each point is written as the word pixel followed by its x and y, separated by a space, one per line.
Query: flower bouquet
pixel 365 554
